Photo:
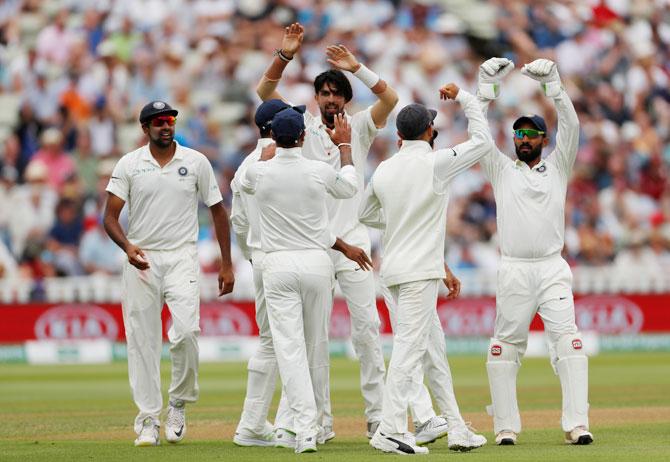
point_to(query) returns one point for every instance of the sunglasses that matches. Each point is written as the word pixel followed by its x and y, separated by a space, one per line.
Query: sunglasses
pixel 529 132
pixel 159 121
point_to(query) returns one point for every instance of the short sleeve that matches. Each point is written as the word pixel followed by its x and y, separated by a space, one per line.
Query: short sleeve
pixel 119 183
pixel 208 188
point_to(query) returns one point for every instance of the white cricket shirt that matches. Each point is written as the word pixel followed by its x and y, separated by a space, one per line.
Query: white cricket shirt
pixel 343 213
pixel 244 214
pixel 163 202
pixel 530 203
pixel 291 196
pixel 408 196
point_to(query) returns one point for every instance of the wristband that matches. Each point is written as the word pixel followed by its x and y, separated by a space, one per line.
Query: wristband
pixel 343 144
pixel 366 76
pixel 279 54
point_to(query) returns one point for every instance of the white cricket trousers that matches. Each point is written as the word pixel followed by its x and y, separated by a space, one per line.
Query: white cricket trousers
pixel 298 288
pixel 262 366
pixel 435 367
pixel 416 315
pixel 172 279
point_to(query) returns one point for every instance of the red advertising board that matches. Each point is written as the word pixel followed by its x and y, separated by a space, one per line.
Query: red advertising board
pixel 606 314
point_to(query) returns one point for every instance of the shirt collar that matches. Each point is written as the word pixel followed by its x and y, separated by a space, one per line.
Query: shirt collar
pixel 522 164
pixel 414 146
pixel 289 153
pixel 263 142
pixel 178 154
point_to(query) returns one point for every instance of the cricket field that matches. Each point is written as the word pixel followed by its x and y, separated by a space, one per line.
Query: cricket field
pixel 85 412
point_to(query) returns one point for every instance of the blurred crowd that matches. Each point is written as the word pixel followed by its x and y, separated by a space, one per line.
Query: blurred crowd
pixel 74 74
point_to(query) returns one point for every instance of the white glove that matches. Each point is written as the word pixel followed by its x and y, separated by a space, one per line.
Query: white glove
pixel 491 72
pixel 545 72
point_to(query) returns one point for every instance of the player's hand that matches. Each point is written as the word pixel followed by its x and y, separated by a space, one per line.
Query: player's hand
pixel 358 255
pixel 268 152
pixel 341 58
pixel 342 130
pixel 491 72
pixel 226 280
pixel 449 91
pixel 136 257
pixel 453 284
pixel 545 72
pixel 292 40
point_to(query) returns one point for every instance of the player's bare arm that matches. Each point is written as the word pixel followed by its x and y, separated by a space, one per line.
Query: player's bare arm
pixel 340 135
pixel 222 229
pixel 291 43
pixel 341 58
pixel 268 152
pixel 111 223
pixel 353 253
pixel 453 284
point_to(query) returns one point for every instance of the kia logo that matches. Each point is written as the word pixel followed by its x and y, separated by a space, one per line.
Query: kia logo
pixel 608 315
pixel 224 319
pixel 475 317
pixel 76 322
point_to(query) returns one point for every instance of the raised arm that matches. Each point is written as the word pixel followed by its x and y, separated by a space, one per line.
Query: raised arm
pixel 567 138
pixel 341 58
pixel 491 73
pixel 291 43
pixel 450 162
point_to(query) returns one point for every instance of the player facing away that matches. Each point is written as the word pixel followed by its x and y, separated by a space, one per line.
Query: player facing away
pixel 297 272
pixel 253 428
pixel 412 190
pixel 332 93
pixel 533 278
pixel 161 183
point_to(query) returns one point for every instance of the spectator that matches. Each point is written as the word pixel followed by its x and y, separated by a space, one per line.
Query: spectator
pixel 59 164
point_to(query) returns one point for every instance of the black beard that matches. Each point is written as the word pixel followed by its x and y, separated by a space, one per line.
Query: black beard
pixel 329 117
pixel 529 156
pixel 158 141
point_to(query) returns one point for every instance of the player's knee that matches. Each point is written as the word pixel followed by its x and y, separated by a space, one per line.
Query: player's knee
pixel 569 345
pixel 186 338
pixel 502 351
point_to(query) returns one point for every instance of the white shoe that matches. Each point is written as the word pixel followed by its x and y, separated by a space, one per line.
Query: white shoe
pixel 463 439
pixel 428 432
pixel 325 434
pixel 284 438
pixel 372 429
pixel 506 438
pixel 305 444
pixel 578 435
pixel 175 424
pixel 247 438
pixel 397 443
pixel 149 436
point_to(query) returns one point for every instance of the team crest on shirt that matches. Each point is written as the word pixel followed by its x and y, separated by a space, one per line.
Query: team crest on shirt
pixel 542 169
pixel 182 171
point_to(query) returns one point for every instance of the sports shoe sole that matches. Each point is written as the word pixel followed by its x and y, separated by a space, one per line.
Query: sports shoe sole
pixel 506 442
pixel 423 443
pixel 581 441
pixel 249 442
pixel 146 444
pixel 394 447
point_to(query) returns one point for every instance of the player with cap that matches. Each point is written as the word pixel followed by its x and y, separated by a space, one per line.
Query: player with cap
pixel 297 272
pixel 332 92
pixel 533 277
pixel 161 183
pixel 407 197
pixel 253 428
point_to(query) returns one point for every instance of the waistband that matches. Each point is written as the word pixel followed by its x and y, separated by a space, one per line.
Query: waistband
pixel 552 256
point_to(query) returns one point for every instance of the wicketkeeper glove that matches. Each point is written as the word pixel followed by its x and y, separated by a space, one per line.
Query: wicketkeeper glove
pixel 491 72
pixel 545 72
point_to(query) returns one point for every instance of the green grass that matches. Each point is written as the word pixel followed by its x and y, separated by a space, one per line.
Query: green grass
pixel 72 413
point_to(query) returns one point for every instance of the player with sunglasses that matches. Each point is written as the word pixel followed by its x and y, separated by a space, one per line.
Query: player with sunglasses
pixel 161 183
pixel 533 278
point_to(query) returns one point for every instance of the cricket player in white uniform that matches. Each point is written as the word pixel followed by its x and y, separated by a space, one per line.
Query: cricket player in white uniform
pixel 412 190
pixel 253 428
pixel 332 92
pixel 533 277
pixel 161 183
pixel 297 271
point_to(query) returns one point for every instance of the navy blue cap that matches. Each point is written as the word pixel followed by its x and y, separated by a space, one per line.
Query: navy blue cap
pixel 266 112
pixel 534 119
pixel 154 109
pixel 289 124
pixel 413 120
